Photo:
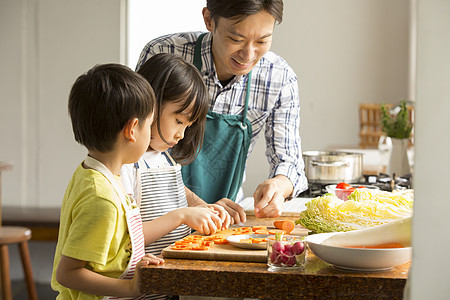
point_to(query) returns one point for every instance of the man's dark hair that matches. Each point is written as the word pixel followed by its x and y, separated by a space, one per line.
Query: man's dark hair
pixel 103 100
pixel 240 9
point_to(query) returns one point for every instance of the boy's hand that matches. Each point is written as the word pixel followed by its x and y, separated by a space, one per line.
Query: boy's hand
pixel 148 259
pixel 203 219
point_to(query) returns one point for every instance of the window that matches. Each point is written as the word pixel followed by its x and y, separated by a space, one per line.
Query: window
pixel 148 19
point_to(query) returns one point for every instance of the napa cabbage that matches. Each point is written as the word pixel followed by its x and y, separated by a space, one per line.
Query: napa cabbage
pixel 365 208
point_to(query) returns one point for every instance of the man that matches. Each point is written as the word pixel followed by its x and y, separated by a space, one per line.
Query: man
pixel 248 87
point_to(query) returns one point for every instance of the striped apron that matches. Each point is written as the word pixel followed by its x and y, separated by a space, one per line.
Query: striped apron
pixel 162 191
pixel 134 222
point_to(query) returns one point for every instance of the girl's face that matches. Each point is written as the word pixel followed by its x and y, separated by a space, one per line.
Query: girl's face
pixel 172 126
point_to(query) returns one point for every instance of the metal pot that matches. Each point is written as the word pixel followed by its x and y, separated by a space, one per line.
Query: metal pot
pixel 333 166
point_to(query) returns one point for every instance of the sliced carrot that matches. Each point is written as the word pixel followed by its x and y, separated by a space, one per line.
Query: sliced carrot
pixel 258 240
pixel 262 231
pixel 220 241
pixel 286 225
pixel 198 247
pixel 182 242
pixel 256 228
pixel 247 241
pixel 195 236
pixel 208 243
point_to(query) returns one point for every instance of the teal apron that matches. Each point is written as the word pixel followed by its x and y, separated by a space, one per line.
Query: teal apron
pixel 218 170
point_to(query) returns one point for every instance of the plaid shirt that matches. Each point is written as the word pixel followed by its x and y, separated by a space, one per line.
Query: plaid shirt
pixel 273 101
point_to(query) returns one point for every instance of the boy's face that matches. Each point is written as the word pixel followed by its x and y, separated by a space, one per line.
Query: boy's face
pixel 237 47
pixel 172 126
pixel 143 136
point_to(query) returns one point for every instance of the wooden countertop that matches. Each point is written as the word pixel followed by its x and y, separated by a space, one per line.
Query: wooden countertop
pixel 253 280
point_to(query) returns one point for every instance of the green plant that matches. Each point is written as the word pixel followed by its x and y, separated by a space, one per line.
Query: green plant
pixel 396 125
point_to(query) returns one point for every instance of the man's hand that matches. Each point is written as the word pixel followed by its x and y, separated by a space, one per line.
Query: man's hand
pixel 235 211
pixel 270 196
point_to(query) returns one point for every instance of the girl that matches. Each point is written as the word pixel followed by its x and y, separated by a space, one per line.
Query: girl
pixel 168 208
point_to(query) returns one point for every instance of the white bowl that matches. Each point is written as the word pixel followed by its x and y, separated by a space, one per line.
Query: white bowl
pixel 344 193
pixel 357 259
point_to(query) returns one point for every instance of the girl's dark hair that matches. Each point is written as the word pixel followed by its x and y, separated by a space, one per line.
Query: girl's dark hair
pixel 240 9
pixel 103 100
pixel 175 80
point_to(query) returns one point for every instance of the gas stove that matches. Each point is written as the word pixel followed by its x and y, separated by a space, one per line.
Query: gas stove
pixel 383 181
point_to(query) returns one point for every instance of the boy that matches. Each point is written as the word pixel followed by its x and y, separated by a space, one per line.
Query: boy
pixel 101 240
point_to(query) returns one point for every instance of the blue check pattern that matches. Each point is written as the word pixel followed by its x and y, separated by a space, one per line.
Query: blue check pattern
pixel 273 104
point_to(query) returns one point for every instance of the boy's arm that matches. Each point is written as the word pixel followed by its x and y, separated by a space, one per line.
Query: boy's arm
pixel 72 274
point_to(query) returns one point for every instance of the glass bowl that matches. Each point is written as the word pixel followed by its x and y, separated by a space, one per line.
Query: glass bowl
pixel 344 193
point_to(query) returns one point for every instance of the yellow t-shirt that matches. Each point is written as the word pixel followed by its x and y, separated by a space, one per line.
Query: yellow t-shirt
pixel 93 228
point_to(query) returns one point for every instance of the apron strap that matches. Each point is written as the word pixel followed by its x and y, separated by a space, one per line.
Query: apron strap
pixel 198 52
pixel 169 158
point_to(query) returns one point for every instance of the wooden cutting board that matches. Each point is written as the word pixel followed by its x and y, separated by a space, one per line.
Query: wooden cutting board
pixel 219 252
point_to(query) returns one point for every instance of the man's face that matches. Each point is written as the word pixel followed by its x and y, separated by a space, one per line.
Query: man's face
pixel 237 47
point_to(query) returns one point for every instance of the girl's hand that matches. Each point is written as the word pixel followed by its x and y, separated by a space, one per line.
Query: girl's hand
pixel 223 214
pixel 148 259
pixel 203 219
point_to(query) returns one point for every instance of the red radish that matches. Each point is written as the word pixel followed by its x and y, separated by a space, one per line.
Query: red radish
pixel 274 257
pixel 287 249
pixel 298 248
pixel 278 246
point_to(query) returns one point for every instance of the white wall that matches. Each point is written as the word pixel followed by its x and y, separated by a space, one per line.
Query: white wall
pixel 45 46
pixel 344 51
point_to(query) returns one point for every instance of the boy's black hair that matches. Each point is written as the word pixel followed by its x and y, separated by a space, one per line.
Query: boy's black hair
pixel 240 9
pixel 103 100
pixel 175 80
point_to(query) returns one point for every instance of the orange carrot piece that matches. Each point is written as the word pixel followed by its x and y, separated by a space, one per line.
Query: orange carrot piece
pixel 255 228
pixel 220 241
pixel 208 243
pixel 198 247
pixel 262 231
pixel 247 241
pixel 286 225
